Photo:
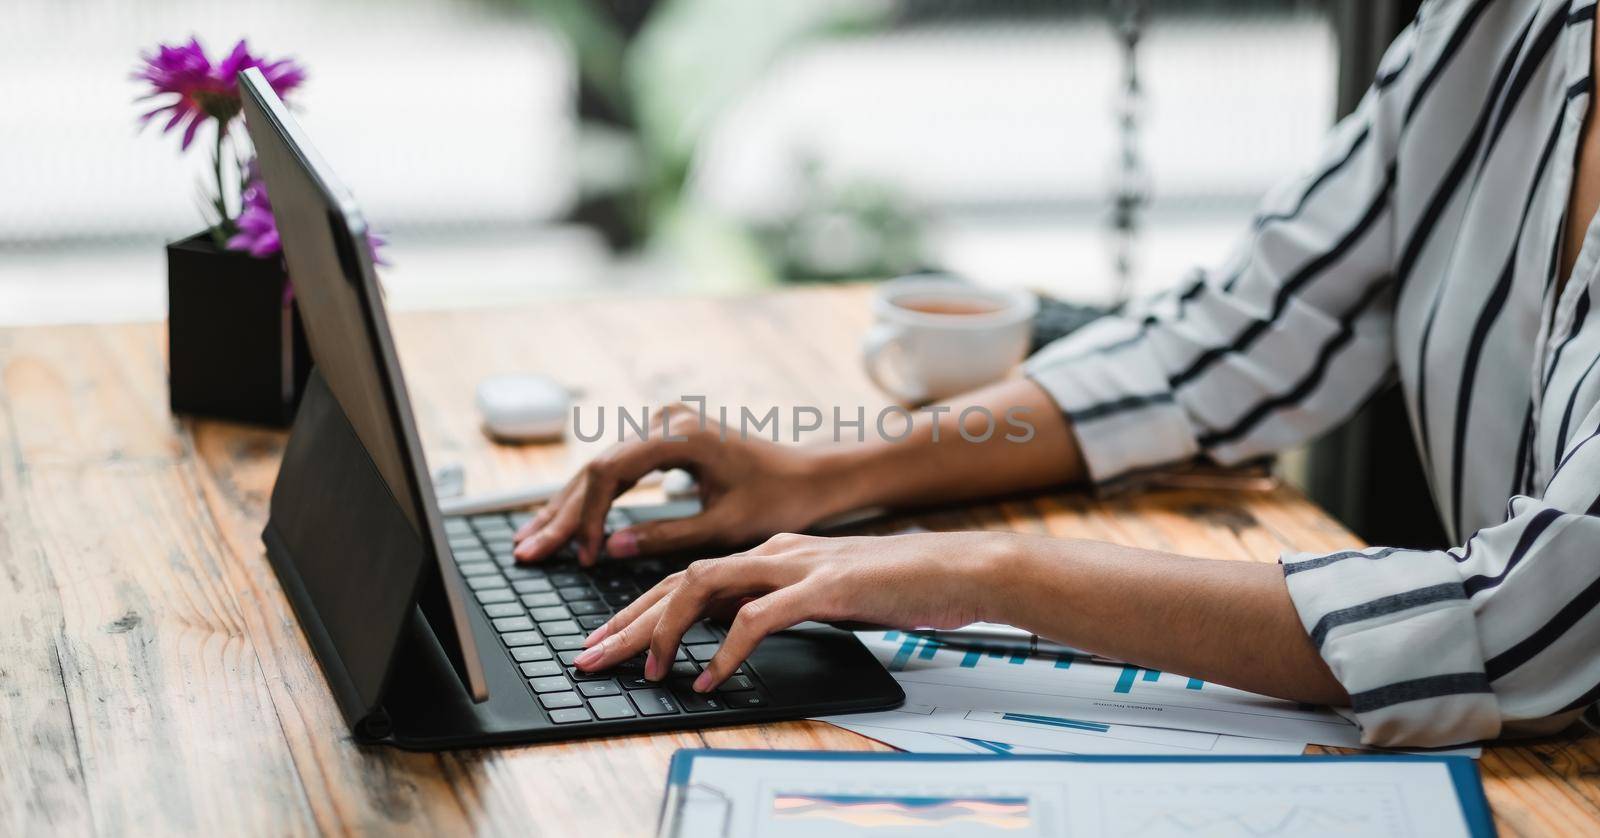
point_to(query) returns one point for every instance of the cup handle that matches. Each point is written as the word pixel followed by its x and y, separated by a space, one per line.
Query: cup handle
pixel 880 338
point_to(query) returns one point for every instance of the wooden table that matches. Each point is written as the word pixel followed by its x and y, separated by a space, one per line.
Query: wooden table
pixel 153 678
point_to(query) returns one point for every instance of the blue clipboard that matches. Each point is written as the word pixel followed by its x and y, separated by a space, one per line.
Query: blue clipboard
pixel 1463 771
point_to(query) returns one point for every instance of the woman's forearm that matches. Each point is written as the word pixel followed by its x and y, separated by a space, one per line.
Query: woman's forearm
pixel 1228 622
pixel 1028 446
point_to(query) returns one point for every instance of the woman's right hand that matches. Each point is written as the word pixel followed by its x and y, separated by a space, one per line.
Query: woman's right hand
pixel 749 489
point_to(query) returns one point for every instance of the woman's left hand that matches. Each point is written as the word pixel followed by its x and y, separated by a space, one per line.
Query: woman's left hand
pixel 924 580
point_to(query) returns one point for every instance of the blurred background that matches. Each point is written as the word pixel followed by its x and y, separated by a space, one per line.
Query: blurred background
pixel 518 150
pixel 513 149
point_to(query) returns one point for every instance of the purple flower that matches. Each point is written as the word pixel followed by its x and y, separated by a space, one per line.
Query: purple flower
pixel 258 230
pixel 185 73
pixel 194 89
pixel 284 75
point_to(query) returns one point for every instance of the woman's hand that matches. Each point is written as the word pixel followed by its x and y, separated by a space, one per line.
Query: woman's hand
pixel 926 580
pixel 749 489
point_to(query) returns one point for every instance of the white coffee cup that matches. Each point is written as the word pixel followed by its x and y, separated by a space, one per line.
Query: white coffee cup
pixel 936 336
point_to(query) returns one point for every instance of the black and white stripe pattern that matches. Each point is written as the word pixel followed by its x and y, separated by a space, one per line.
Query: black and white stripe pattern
pixel 1424 247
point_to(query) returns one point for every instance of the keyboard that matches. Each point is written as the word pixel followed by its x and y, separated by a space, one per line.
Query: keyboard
pixel 542 612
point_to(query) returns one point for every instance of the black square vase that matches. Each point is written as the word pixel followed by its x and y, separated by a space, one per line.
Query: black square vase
pixel 235 346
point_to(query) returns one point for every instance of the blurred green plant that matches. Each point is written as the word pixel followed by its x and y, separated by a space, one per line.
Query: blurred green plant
pixel 654 75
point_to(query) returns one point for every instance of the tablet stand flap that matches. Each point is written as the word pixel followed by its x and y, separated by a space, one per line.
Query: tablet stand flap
pixel 346 554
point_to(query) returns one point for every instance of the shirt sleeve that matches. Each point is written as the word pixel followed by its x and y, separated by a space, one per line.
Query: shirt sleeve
pixel 1284 341
pixel 1497 636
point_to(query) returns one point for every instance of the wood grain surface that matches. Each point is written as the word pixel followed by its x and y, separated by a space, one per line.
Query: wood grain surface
pixel 153 679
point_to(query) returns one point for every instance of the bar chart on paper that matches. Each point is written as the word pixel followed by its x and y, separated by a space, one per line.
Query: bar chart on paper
pixel 1089 690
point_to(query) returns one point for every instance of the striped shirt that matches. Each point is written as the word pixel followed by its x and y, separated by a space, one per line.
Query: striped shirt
pixel 1422 248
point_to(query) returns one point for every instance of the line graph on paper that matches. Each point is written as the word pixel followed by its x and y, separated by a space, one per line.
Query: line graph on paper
pixel 1171 810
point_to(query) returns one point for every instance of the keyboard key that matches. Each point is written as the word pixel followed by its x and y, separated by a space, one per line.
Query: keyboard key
pixel 595 689
pixel 612 707
pixel 540 600
pixel 564 579
pixel 469 554
pixel 702 652
pixel 567 656
pixel 488 519
pixel 683 669
pixel 743 700
pixel 573 593
pixel 531 653
pixel 654 702
pixel 700 633
pixel 619 599
pixel 637 682
pixel 559 627
pixel 549 684
pixel 456 526
pixel 540 669
pixel 590 622
pixel 736 683
pixel 697 702
pixel 680 655
pixel 575 714
pixel 517 519
pixel 504 609
pixel 555 701
pixel 589 606
pixel 523 571
pixel 553 612
pixel 579 675
pixel 506 624
pixel 521 638
pixel 534 586
pixel 479 569
pixel 494 595
pixel 481 583
pixel 463 541
pixel 651 571
pixel 567 642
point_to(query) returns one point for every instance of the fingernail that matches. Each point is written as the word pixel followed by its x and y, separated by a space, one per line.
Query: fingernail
pixel 623 544
pixel 586 658
pixel 651 667
pixel 703 683
pixel 598 635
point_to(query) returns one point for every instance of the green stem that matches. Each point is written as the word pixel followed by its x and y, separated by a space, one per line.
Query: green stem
pixel 220 232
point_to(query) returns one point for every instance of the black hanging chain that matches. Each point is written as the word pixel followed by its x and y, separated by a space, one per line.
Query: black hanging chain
pixel 1131 191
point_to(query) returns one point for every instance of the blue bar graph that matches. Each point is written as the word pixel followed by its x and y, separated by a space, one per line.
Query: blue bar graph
pixel 918 647
pixel 903 654
pixel 1056 721
pixel 989 745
